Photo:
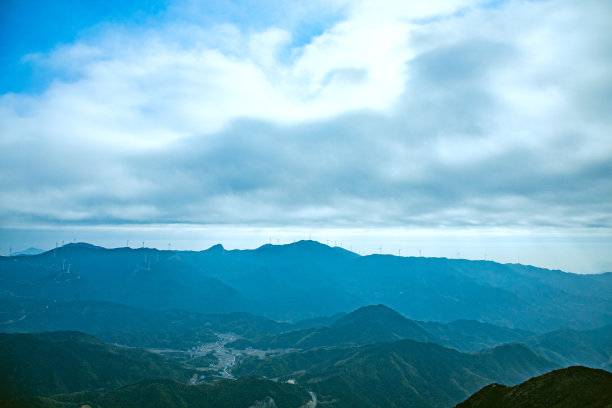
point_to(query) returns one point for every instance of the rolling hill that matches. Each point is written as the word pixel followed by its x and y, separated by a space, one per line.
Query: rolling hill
pixel 65 362
pixel 380 324
pixel 117 323
pixel 71 369
pixel 244 392
pixel 397 374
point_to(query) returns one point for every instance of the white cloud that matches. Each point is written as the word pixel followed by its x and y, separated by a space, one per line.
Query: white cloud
pixel 422 113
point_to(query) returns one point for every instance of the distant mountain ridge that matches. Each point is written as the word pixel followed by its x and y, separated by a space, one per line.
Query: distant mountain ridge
pixel 308 279
pixel 29 251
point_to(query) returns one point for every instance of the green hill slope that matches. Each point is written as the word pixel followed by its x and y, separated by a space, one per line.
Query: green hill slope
pixel 592 348
pixel 398 374
pixel 243 392
pixel 567 388
pixel 65 362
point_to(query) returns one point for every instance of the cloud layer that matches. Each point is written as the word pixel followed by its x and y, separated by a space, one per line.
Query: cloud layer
pixel 455 114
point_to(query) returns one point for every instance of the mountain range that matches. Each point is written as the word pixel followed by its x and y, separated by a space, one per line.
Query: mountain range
pixel 282 283
pixel 295 325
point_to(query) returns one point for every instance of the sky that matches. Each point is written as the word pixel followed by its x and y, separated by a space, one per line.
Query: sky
pixel 455 128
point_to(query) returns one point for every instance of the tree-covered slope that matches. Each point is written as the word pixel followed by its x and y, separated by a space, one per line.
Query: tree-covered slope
pixel 64 362
pixel 244 392
pixel 566 388
pixel 402 373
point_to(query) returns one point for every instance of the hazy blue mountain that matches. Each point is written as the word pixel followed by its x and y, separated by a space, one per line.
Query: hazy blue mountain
pixel 516 296
pixel 116 323
pixel 29 251
pixel 308 279
pixel 141 278
pixel 398 374
pixel 379 324
pixel 316 321
pixel 429 289
pixel 567 388
pixel 592 348
pixel 370 324
pixel 470 335
pixel 286 282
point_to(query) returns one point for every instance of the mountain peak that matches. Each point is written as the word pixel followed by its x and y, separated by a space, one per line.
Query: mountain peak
pixel 216 248
pixel 29 251
pixel 371 313
pixel 82 245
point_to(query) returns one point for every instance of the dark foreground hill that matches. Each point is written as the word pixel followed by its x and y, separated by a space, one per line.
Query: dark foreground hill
pixel 567 388
pixel 244 392
pixel 65 362
pixel 70 369
pixel 248 392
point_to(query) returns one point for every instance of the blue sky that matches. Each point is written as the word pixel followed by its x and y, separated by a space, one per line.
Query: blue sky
pixel 32 26
pixel 458 126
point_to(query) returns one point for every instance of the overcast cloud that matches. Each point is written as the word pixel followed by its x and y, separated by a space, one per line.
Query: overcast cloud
pixel 455 114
